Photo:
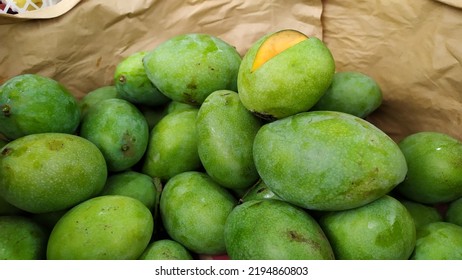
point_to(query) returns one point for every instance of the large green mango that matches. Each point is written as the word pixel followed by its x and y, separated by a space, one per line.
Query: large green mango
pixel 225 131
pixel 327 160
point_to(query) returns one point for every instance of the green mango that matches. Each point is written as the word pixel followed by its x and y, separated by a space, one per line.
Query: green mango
pixel 225 132
pixel 49 172
pixel 110 227
pixel 95 96
pixel 290 82
pixel 438 241
pixel 454 212
pixel 31 104
pixel 435 172
pixel 380 230
pixel 194 209
pixel 274 230
pixel 166 249
pixel 133 184
pixel 133 84
pixel 119 130
pixel 422 214
pixel 22 238
pixel 172 147
pixel 189 67
pixel 351 92
pixel 324 160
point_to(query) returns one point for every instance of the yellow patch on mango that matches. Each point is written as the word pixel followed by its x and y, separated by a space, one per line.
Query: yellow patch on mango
pixel 275 44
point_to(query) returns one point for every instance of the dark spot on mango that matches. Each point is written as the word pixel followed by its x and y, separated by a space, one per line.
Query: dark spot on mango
pixel 6 151
pixel 55 145
pixel 192 86
pixel 261 190
pixel 127 141
pixel 122 79
pixel 6 110
pixel 267 117
pixel 297 237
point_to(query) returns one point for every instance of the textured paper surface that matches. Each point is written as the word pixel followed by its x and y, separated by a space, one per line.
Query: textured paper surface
pixel 81 47
pixel 413 49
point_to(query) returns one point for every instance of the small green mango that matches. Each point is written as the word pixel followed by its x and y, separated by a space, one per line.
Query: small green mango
pixel 31 104
pixel 166 249
pixel 324 160
pixel 172 147
pixel 194 209
pixel 189 67
pixel 422 214
pixel 119 130
pixel 435 167
pixel 111 227
pixel 380 230
pixel 351 92
pixel 274 230
pixel 133 84
pixel 95 96
pixel 226 131
pixel 133 184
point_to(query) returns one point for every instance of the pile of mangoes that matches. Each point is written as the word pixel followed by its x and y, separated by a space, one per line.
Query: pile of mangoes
pixel 197 152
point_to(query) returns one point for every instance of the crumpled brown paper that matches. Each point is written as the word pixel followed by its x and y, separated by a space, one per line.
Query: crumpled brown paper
pixel 82 41
pixel 413 49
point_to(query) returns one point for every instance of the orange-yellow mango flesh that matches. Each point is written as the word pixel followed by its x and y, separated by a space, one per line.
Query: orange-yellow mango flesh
pixel 276 44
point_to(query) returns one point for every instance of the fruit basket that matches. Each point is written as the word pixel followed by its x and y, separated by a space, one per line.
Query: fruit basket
pixel 215 107
pixel 21 6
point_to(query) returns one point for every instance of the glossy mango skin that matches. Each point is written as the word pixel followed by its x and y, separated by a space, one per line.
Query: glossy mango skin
pixel 31 103
pixel 188 67
pixel 226 131
pixel 110 227
pixel 435 167
pixel 289 83
pixel 274 230
pixel 119 130
pixel 380 230
pixel 49 172
pixel 172 147
pixel 325 160
pixel 194 209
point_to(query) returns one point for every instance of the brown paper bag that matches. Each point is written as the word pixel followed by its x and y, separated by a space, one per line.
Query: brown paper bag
pixel 79 43
pixel 413 49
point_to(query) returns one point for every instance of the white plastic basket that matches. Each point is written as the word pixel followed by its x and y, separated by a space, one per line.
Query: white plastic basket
pixel 20 6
